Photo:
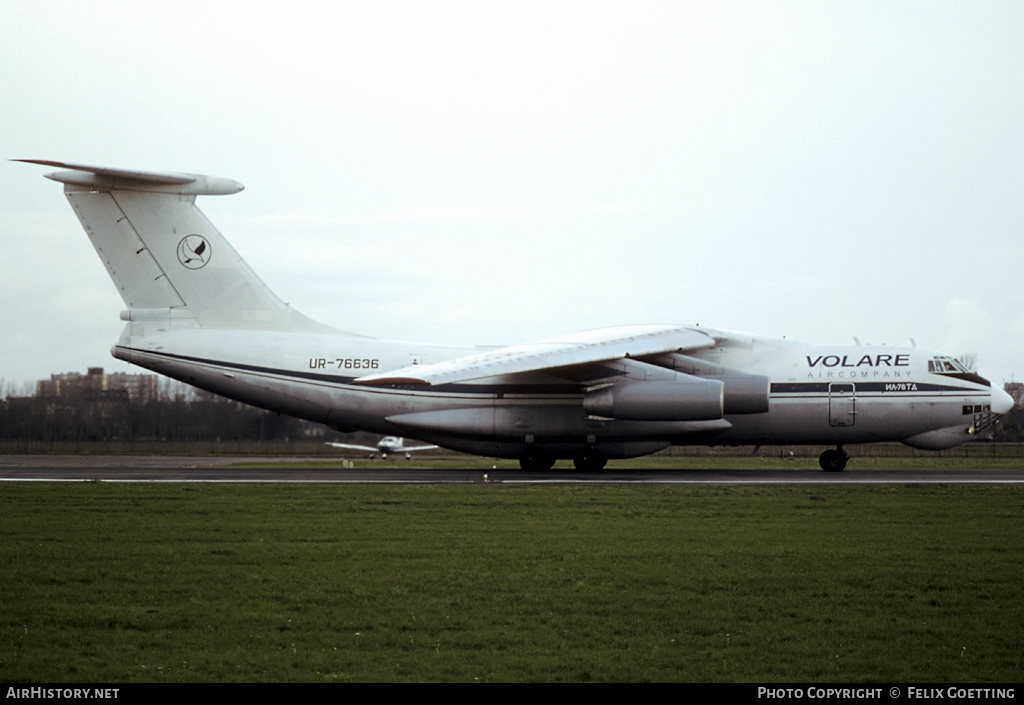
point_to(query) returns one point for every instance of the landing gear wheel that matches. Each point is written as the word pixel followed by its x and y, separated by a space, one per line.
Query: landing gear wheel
pixel 536 460
pixel 589 460
pixel 833 460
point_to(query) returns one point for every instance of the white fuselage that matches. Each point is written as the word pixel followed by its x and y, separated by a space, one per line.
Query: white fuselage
pixel 198 313
pixel 813 394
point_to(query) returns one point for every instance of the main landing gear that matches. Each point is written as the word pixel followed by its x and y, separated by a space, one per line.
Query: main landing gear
pixel 588 460
pixel 833 460
pixel 535 460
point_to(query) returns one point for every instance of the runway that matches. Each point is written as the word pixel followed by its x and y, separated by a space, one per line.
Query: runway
pixel 278 470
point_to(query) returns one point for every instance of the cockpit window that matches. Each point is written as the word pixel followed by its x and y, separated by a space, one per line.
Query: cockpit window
pixel 954 369
pixel 946 365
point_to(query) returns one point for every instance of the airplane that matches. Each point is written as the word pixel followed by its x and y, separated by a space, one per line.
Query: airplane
pixel 196 312
pixel 387 444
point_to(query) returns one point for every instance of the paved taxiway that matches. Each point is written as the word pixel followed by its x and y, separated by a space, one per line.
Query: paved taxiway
pixel 220 469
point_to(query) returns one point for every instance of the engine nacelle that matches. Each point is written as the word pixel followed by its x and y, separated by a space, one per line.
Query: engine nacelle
pixel 746 394
pixel 692 399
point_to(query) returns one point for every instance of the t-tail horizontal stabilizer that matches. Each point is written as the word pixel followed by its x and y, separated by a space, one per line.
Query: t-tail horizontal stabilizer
pixel 102 177
pixel 165 256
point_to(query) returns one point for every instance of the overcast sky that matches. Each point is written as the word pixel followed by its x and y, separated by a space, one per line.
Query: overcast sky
pixel 496 172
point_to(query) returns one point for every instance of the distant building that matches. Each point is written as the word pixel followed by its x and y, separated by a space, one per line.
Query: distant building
pixel 95 382
pixel 140 388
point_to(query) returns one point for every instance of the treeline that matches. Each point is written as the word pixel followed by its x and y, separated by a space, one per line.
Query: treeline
pixel 113 416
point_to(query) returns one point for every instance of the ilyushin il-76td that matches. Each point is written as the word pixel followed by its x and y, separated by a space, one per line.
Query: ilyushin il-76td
pixel 196 312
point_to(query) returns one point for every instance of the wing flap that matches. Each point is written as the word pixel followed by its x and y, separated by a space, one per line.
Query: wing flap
pixel 576 349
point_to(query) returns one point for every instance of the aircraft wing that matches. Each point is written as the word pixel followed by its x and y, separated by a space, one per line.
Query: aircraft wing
pixel 368 449
pixel 409 449
pixel 592 346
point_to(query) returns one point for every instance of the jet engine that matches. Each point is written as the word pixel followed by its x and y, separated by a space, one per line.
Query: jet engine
pixel 689 399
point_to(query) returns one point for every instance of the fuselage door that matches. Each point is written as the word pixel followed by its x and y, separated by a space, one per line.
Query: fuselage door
pixel 842 404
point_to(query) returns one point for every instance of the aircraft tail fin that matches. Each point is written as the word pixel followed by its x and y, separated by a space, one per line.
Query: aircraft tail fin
pixel 166 259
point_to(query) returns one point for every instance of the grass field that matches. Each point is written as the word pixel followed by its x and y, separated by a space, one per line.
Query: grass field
pixel 117 583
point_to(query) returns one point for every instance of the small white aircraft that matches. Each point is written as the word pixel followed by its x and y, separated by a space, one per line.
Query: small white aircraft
pixel 196 312
pixel 387 444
